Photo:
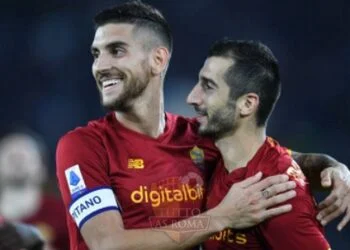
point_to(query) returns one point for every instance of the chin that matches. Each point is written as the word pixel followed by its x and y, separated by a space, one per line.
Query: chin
pixel 109 99
pixel 116 105
pixel 203 130
pixel 107 103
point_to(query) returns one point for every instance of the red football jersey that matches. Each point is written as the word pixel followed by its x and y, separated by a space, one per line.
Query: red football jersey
pixel 50 219
pixel 156 182
pixel 297 229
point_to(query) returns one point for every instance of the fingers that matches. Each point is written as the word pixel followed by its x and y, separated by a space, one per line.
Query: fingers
pixel 332 212
pixel 333 206
pixel 344 221
pixel 269 181
pixel 250 181
pixel 327 206
pixel 326 177
pixel 276 211
pixel 277 199
pixel 278 188
pixel 331 199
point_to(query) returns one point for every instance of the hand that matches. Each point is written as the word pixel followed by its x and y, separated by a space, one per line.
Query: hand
pixel 247 203
pixel 338 202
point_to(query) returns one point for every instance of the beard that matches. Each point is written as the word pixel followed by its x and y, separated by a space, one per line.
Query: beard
pixel 133 87
pixel 221 122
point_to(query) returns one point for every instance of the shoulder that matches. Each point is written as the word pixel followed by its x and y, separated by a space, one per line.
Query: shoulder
pixel 84 146
pixel 92 132
pixel 180 122
pixel 185 128
pixel 276 158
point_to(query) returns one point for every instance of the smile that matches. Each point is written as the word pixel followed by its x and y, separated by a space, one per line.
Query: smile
pixel 110 83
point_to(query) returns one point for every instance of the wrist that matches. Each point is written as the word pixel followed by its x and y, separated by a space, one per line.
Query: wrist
pixel 218 221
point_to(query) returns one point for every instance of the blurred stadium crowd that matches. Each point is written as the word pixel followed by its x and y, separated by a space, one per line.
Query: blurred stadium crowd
pixel 47 88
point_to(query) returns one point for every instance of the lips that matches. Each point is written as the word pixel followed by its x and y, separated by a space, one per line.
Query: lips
pixel 202 119
pixel 202 115
pixel 109 83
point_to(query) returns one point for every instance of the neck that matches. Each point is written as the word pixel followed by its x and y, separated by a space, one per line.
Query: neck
pixel 147 113
pixel 240 146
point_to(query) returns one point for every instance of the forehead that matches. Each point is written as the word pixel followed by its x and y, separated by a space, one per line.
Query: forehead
pixel 18 143
pixel 18 148
pixel 112 32
pixel 215 67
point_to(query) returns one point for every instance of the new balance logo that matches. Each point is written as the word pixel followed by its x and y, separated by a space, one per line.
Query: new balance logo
pixel 136 163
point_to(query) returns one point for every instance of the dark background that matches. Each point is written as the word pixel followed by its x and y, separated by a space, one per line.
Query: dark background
pixel 46 81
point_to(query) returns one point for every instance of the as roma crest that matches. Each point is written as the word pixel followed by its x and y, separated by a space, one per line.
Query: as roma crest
pixel 197 156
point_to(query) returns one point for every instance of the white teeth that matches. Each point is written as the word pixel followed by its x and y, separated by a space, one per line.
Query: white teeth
pixel 111 82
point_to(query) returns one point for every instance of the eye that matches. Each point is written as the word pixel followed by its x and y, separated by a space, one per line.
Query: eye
pixel 206 85
pixel 118 52
pixel 95 53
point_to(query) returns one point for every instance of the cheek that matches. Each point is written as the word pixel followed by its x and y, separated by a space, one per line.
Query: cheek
pixel 210 112
pixel 216 105
pixel 212 108
pixel 214 101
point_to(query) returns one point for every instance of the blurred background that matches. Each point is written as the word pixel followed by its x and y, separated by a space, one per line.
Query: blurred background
pixel 47 84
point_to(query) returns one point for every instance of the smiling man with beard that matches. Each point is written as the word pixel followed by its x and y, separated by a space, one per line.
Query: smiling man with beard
pixel 238 88
pixel 140 167
pixel 122 85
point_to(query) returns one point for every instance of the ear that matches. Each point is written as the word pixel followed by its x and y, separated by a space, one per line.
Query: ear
pixel 159 60
pixel 248 104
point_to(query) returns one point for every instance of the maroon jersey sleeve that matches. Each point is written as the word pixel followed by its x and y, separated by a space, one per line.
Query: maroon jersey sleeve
pixel 82 172
pixel 299 228
pixel 84 149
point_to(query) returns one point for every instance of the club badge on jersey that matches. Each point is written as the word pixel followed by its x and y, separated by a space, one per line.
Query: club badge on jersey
pixel 87 203
pixel 197 156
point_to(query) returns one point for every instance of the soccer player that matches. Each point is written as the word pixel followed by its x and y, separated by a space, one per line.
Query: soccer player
pixel 238 87
pixel 23 167
pixel 138 167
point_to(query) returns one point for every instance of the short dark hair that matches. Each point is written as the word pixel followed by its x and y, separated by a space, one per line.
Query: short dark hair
pixel 255 69
pixel 141 15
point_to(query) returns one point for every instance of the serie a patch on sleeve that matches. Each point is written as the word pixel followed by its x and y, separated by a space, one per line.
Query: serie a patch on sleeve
pixel 92 203
pixel 75 181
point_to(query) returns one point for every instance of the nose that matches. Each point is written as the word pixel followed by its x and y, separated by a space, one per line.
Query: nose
pixel 195 97
pixel 102 63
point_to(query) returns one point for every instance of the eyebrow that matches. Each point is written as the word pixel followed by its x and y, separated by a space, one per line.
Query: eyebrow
pixel 208 80
pixel 112 45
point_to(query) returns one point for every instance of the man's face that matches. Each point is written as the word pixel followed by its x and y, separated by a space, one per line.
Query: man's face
pixel 211 98
pixel 20 161
pixel 121 68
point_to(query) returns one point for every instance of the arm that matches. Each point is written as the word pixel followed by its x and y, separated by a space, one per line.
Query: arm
pixel 312 165
pixel 324 171
pixel 243 207
pixel 106 231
